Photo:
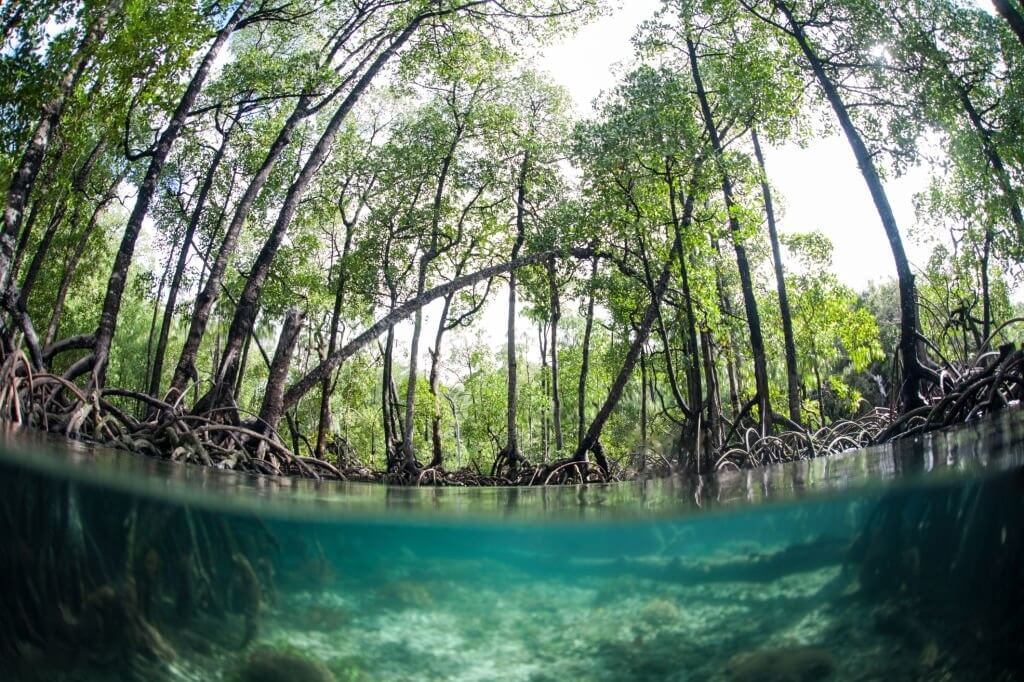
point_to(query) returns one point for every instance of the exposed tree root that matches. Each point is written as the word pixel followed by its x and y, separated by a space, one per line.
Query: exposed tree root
pixel 993 382
pixel 229 439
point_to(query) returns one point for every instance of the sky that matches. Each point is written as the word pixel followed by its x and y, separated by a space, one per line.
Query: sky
pixel 818 187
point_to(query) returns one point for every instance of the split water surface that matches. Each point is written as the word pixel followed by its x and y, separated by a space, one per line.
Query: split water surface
pixel 895 563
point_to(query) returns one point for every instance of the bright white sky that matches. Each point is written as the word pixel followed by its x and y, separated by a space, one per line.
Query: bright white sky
pixel 818 187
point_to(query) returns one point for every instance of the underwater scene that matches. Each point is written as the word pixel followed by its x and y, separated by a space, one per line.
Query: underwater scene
pixel 899 563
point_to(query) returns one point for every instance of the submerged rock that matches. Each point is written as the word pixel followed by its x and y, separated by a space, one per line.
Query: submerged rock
pixel 268 665
pixel 659 613
pixel 785 664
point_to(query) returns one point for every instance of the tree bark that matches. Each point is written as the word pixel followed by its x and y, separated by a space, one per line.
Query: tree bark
pixel 746 280
pixel 122 260
pixel 792 374
pixel 913 370
pixel 271 409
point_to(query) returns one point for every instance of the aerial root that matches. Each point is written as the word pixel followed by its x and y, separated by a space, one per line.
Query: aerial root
pixel 994 381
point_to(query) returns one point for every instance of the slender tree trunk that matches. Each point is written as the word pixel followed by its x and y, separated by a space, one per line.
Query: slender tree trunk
pixel 746 280
pixel 122 260
pixel 179 268
pixel 913 371
pixel 42 250
pixel 792 374
pixel 643 401
pixel 272 407
pixel 556 314
pixel 1013 17
pixel 437 457
pixel 714 400
pixel 588 329
pixel 512 436
pixel 986 298
pixel 693 380
pixel 32 158
pixel 74 258
pixel 26 235
pixel 421 284
pixel 327 385
pixel 542 344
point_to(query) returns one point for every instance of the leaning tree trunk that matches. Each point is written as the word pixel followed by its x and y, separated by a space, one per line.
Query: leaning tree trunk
pixel 792 375
pixel 74 258
pixel 212 288
pixel 272 407
pixel 1014 17
pixel 158 157
pixel 301 387
pixel 591 438
pixel 42 251
pixel 742 264
pixel 913 371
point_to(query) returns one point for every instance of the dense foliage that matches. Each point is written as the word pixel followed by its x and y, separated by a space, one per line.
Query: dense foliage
pixel 303 219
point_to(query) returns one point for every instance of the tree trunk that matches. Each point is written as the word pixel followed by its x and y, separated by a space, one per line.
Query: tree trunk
pixel 1013 17
pixel 122 260
pixel 327 385
pixel 746 280
pixel 421 284
pixel 271 409
pixel 714 399
pixel 556 314
pixel 590 440
pixel 792 374
pixel 34 154
pixel 581 390
pixel 437 457
pixel 512 436
pixel 179 268
pixel 387 414
pixel 42 250
pixel 913 370
pixel 74 258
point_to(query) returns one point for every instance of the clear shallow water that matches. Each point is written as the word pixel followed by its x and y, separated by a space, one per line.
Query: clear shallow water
pixel 903 563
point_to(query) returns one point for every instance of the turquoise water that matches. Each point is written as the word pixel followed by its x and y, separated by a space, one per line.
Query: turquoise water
pixel 894 564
